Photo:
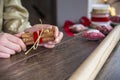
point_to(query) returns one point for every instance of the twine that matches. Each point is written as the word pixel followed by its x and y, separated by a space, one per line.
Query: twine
pixel 36 44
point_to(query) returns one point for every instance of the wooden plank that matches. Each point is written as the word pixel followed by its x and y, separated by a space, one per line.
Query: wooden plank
pixel 48 64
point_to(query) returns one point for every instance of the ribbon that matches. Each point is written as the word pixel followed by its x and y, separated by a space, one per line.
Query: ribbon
pixel 85 21
pixel 35 36
pixel 37 39
pixel 98 19
pixel 66 26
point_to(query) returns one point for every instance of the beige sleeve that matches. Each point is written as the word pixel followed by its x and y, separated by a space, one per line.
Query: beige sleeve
pixel 15 16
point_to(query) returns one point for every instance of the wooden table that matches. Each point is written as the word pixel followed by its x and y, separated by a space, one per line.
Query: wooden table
pixel 54 64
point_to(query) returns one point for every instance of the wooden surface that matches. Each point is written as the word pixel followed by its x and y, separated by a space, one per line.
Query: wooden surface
pixel 58 63
pixel 48 64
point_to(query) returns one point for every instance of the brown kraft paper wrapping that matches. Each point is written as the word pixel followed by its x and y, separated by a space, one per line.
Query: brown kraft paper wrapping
pixel 46 35
pixel 92 65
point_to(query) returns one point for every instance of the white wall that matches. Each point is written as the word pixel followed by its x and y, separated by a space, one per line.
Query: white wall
pixel 72 10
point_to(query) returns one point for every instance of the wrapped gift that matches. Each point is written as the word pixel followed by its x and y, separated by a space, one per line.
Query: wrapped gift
pixel 44 35
pixel 105 28
pixel 92 34
pixel 115 19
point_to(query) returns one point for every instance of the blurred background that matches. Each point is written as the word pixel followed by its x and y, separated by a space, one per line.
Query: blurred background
pixel 56 12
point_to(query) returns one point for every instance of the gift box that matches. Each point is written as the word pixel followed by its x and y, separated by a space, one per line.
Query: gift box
pixel 44 36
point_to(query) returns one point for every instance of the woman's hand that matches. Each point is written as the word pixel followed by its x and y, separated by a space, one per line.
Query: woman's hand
pixel 10 44
pixel 58 35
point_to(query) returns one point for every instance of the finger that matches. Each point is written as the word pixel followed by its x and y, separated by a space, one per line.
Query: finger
pixel 12 46
pixel 38 27
pixel 19 34
pixel 48 46
pixel 17 41
pixel 3 55
pixel 56 31
pixel 6 50
pixel 33 29
pixel 49 27
pixel 51 43
pixel 59 38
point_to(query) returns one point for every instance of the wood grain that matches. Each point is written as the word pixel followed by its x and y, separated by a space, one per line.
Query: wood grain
pixel 48 64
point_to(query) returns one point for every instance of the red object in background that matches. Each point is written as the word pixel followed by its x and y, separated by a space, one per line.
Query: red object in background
pixel 35 36
pixel 92 35
pixel 100 19
pixel 66 26
pixel 104 29
pixel 85 21
pixel 115 19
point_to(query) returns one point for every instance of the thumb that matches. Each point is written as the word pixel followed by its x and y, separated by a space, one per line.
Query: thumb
pixel 19 34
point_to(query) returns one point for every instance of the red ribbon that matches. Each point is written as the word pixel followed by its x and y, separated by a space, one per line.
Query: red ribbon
pixel 115 19
pixel 35 36
pixel 85 21
pixel 104 19
pixel 66 26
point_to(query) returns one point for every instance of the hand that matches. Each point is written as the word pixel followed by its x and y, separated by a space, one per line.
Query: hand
pixel 10 44
pixel 58 35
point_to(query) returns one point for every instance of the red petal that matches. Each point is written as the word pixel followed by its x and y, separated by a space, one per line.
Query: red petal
pixel 66 26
